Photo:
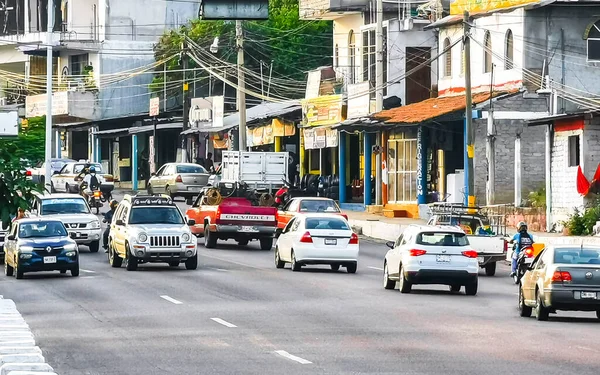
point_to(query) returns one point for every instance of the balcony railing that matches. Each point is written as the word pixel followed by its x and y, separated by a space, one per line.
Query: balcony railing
pixel 314 9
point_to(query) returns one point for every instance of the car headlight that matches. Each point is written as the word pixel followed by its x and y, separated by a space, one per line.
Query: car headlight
pixel 142 237
pixel 186 237
pixel 71 247
pixel 95 224
pixel 71 253
pixel 25 249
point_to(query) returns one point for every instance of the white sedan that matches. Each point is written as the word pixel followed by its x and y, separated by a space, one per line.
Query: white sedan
pixel 317 239
pixel 425 254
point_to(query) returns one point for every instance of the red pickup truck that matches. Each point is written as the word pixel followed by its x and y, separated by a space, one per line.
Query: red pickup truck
pixel 233 218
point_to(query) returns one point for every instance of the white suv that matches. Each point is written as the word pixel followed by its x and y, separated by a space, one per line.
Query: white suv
pixel 151 229
pixel 426 254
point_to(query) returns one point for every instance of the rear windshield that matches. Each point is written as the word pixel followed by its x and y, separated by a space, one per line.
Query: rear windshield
pixel 442 239
pixel 318 205
pixel 577 256
pixel 190 169
pixel 42 229
pixel 326 223
pixel 79 168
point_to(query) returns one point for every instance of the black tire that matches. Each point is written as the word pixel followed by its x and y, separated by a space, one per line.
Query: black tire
pixel 296 267
pixel 52 189
pixel 132 261
pixel 524 310
pixel 149 190
pixel 405 285
pixel 541 312
pixel 174 264
pixel 490 269
pixel 598 314
pixel 63 271
pixel 454 288
pixel 210 240
pixel 387 283
pixel 266 243
pixel 169 193
pixel 18 273
pixel 94 246
pixel 97 206
pixel 114 259
pixel 471 288
pixel 75 271
pixel 8 269
pixel 335 267
pixel 243 242
pixel 192 263
pixel 352 267
pixel 278 262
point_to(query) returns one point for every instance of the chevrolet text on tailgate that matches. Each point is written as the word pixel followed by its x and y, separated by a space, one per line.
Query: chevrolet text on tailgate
pixel 238 218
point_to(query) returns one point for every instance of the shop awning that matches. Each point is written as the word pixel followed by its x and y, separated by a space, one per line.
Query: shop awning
pixel 150 128
pixel 360 125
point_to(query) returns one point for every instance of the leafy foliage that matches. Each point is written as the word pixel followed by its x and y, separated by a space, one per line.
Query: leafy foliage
pixel 582 223
pixel 537 199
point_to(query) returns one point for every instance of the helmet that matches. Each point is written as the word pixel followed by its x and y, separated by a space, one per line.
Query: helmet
pixel 92 170
pixel 113 204
pixel 521 225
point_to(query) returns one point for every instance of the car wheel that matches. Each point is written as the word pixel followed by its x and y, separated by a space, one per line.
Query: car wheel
pixel 75 271
pixel 67 188
pixel 524 310
pixel 454 288
pixel 113 258
pixel 541 312
pixel 490 269
pixel 132 261
pixel 598 314
pixel 63 271
pixel 471 288
pixel 278 262
pixel 296 267
pixel 18 272
pixel 266 243
pixel 351 268
pixel 335 267
pixel 210 240
pixel 405 286
pixel 243 242
pixel 191 263
pixel 169 193
pixel 52 189
pixel 94 246
pixel 174 264
pixel 387 283
pixel 149 190
pixel 8 269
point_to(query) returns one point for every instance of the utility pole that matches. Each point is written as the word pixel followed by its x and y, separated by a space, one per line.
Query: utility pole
pixel 241 95
pixel 48 145
pixel 186 104
pixel 491 149
pixel 378 100
pixel 470 148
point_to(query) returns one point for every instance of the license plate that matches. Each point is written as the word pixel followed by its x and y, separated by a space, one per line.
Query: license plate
pixel 49 259
pixel 194 189
pixel 480 259
pixel 528 260
pixel 248 229
pixel 330 241
pixel 442 258
pixel 588 295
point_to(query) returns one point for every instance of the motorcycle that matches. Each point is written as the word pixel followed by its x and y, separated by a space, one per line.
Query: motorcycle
pixel 95 199
pixel 524 261
pixel 287 192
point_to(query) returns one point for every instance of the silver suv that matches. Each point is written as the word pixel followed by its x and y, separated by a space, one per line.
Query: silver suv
pixel 151 229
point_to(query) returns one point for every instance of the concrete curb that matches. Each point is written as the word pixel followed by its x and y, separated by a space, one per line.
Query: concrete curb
pixel 19 354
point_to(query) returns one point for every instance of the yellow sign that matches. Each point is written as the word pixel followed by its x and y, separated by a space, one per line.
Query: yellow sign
pixel 123 163
pixel 324 110
pixel 282 128
pixel 481 6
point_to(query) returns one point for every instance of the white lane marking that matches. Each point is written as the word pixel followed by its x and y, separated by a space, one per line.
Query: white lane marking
pixel 221 321
pixel 87 271
pixel 172 300
pixel 287 355
pixel 88 277
pixel 376 268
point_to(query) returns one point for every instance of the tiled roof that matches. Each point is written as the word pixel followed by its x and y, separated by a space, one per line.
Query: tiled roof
pixel 430 108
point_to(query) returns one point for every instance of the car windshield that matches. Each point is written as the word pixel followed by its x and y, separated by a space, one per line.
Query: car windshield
pixel 190 169
pixel 57 164
pixel 79 168
pixel 42 229
pixel 155 215
pixel 326 223
pixel 577 256
pixel 318 205
pixel 59 206
pixel 469 224
pixel 442 239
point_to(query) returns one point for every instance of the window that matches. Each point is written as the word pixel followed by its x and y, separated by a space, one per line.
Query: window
pixel 64 206
pixel 448 58
pixel 577 256
pixel 369 59
pixel 574 151
pixel 442 239
pixel 318 205
pixel 402 169
pixel 156 215
pixel 508 51
pixel 42 229
pixel 78 63
pixel 314 156
pixel 592 36
pixel 190 169
pixel 487 53
pixel 326 223
pixel 352 55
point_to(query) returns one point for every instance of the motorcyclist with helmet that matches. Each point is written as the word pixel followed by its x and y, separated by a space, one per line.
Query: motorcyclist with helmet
pixel 522 240
pixel 91 182
pixel 108 217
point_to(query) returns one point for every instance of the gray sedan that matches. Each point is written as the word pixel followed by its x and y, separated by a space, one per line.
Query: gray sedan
pixel 561 278
pixel 179 180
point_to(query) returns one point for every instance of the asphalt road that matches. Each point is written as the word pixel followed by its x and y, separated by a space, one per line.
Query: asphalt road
pixel 238 314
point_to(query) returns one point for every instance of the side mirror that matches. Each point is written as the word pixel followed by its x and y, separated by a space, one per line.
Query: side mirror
pixel 152 174
pixel 191 223
pixel 120 223
pixel 55 173
pixel 10 238
pixel 390 244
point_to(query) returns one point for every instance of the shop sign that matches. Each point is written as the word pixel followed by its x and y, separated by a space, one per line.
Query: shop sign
pixel 36 105
pixel 359 101
pixel 218 111
pixel 313 84
pixel 420 166
pixel 481 6
pixel 320 138
pixel 324 110
pixel 154 107
pixel 282 128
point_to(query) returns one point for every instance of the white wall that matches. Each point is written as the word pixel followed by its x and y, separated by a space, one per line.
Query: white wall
pixel 341 32
pixel 564 178
pixel 498 24
pixel 82 22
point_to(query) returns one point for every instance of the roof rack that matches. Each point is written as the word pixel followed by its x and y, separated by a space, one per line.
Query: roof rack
pixel 454 209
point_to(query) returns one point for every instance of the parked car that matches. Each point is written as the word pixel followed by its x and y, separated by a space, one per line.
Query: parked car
pixel 3 233
pixel 37 173
pixel 425 254
pixel 306 205
pixel 39 244
pixel 179 180
pixel 315 238
pixel 561 278
pixel 70 177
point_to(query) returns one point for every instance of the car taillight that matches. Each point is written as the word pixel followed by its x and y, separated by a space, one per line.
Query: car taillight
pixel 505 246
pixel 561 277
pixel 529 252
pixel 179 179
pixel 470 253
pixel 416 252
pixel 306 238
pixel 97 194
pixel 218 214
pixel 353 239
pixel 345 216
pixel 28 173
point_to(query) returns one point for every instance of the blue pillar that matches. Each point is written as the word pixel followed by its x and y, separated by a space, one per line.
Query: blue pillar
pixel 421 165
pixel 134 162
pixel 367 139
pixel 342 167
